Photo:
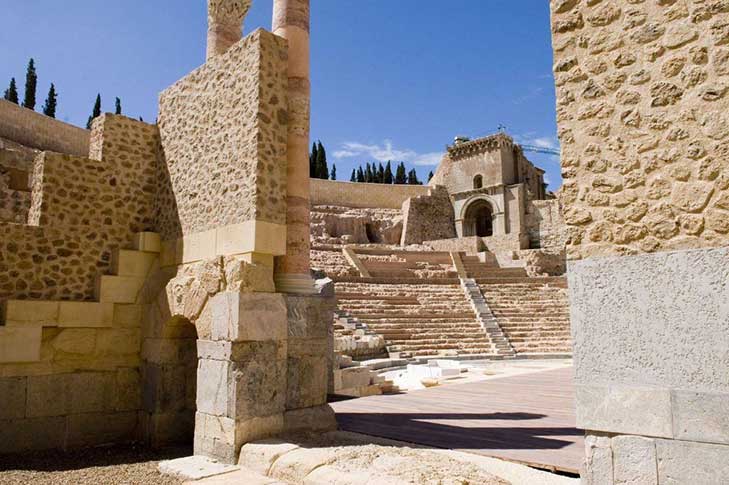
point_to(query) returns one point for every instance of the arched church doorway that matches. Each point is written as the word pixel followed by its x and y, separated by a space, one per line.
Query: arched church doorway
pixel 479 220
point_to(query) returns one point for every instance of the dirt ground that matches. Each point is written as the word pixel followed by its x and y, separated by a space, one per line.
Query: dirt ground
pixel 111 465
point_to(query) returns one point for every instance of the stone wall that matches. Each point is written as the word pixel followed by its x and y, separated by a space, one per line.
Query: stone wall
pixel 41 132
pixel 428 217
pixel 642 111
pixel 349 194
pixel 344 225
pixel 545 224
pixel 641 108
pixel 233 107
pixel 81 209
pixel 16 163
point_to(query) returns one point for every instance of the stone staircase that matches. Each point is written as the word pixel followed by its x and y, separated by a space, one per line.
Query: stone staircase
pixel 486 318
pixel 355 339
pixel 22 321
pixel 417 319
pixel 533 313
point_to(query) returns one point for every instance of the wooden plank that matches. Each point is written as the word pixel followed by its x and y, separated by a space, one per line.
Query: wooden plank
pixel 528 418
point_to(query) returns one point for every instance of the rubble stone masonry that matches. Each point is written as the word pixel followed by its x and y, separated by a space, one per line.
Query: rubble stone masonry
pixel 642 109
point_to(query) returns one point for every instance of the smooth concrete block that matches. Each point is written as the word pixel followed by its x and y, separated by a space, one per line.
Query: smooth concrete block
pixel 85 314
pixel 125 262
pixel 619 409
pixel 701 416
pixel 32 434
pixel 118 341
pixel 260 455
pixel 30 312
pixel 634 460
pixel 75 341
pixel 147 242
pixel 12 397
pixel 248 316
pixel 682 462
pixel 20 344
pixel 118 289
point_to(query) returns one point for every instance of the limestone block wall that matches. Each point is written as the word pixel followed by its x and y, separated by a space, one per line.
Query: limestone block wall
pixel 223 134
pixel 545 224
pixel 345 225
pixel 358 195
pixel 41 132
pixel 16 163
pixel 428 217
pixel 642 111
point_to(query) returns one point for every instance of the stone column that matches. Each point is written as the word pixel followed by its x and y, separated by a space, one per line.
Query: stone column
pixel 291 21
pixel 225 24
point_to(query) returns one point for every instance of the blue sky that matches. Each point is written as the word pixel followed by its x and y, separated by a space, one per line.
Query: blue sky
pixel 391 79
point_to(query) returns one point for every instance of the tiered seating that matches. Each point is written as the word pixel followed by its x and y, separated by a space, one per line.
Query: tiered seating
pixel 331 260
pixel 416 318
pixel 490 269
pixel 533 313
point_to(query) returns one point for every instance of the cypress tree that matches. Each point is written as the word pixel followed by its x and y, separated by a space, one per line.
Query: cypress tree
pixel 413 178
pixel 353 178
pixel 430 175
pixel 96 113
pixel 388 173
pixel 400 175
pixel 321 162
pixel 333 175
pixel 49 108
pixel 360 174
pixel 380 174
pixel 369 176
pixel 31 84
pixel 117 107
pixel 11 94
pixel 312 162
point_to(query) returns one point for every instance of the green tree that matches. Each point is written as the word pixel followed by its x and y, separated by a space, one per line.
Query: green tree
pixel 49 108
pixel 360 174
pixel 369 175
pixel 380 174
pixel 95 113
pixel 312 162
pixel 11 94
pixel 31 85
pixel 117 107
pixel 413 178
pixel 333 175
pixel 388 173
pixel 430 175
pixel 353 178
pixel 400 175
pixel 321 162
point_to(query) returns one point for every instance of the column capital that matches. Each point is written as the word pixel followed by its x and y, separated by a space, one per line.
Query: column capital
pixel 228 11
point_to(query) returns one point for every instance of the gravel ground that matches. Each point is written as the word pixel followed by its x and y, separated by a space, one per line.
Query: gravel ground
pixel 112 465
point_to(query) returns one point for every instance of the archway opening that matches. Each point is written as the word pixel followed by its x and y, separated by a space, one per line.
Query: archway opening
pixel 479 220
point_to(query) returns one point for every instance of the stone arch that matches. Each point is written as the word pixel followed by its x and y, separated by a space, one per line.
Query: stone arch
pixel 478 218
pixel 478 181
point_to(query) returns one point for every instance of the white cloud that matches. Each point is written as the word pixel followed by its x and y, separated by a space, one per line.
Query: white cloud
pixel 385 152
pixel 545 142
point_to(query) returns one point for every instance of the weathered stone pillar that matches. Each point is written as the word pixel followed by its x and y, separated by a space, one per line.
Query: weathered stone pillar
pixel 225 24
pixel 291 21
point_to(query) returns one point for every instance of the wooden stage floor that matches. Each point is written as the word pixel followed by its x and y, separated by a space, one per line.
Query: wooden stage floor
pixel 527 418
